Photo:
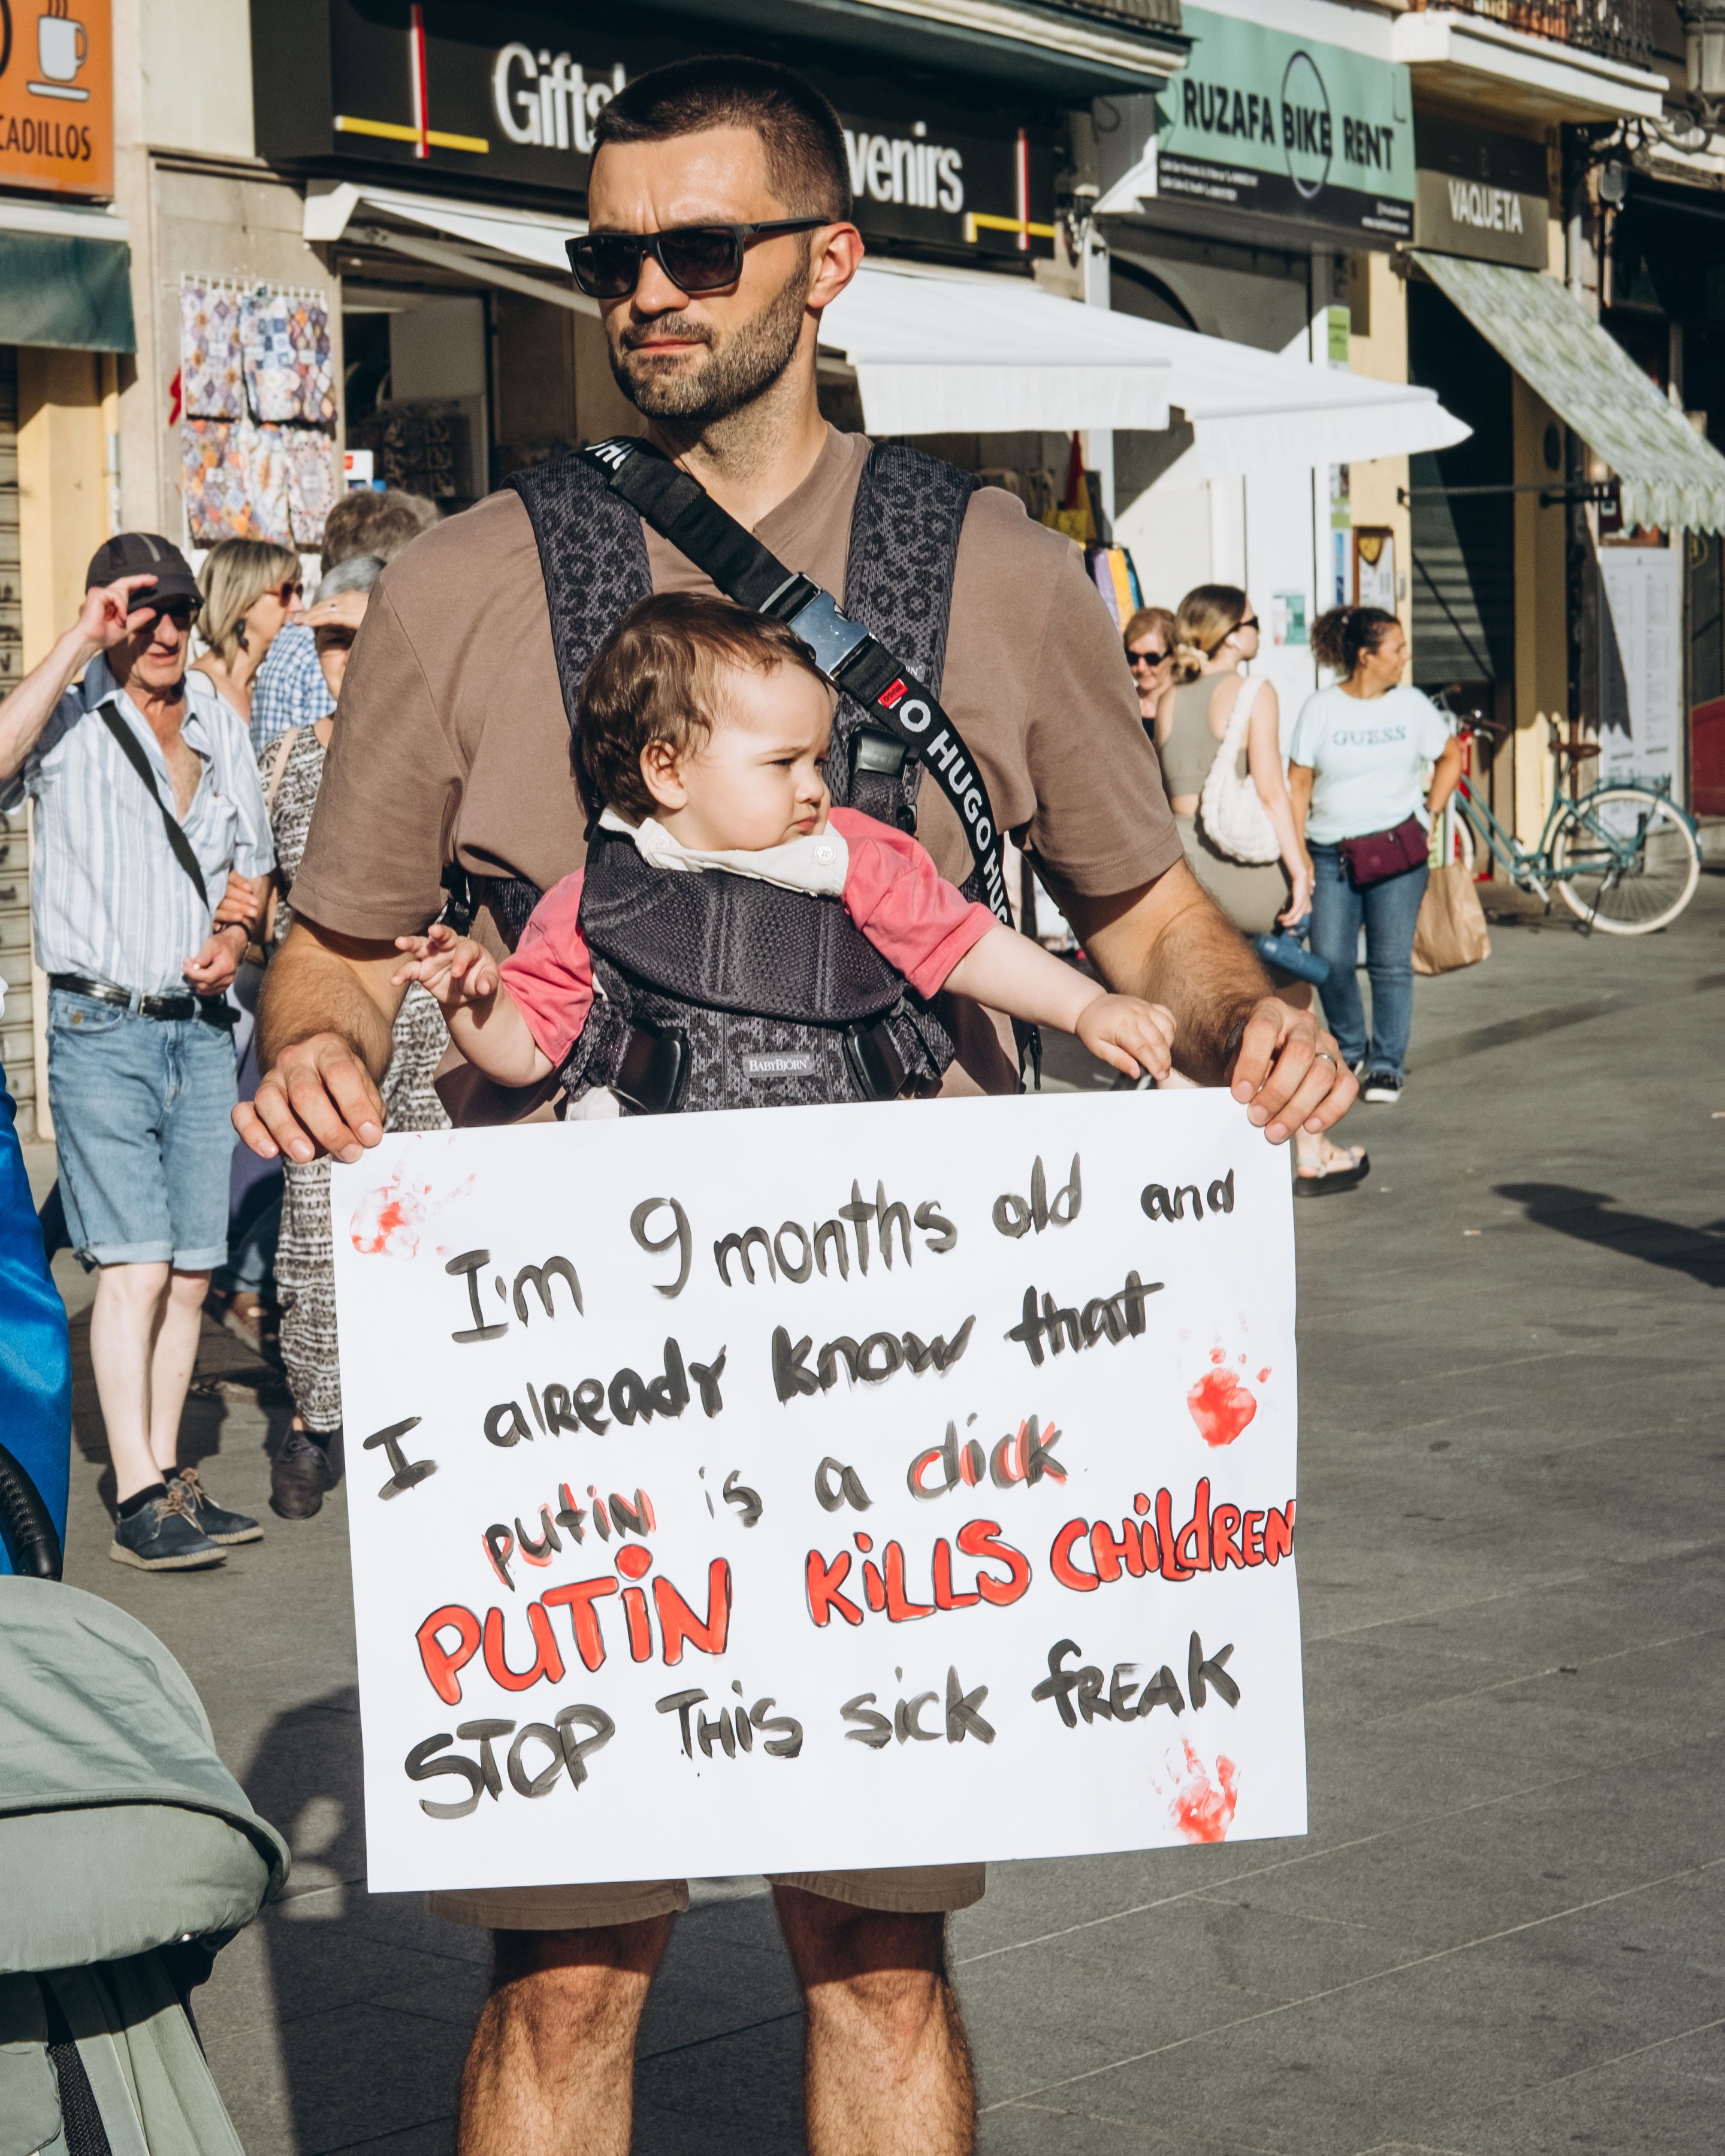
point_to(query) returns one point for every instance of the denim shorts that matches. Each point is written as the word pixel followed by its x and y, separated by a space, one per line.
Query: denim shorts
pixel 141 1110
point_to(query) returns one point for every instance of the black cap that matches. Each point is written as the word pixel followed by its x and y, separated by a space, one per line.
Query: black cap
pixel 143 554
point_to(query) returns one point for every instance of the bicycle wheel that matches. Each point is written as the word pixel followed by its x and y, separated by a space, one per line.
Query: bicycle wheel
pixel 1626 861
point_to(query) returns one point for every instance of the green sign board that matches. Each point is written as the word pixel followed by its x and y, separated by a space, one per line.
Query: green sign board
pixel 1264 121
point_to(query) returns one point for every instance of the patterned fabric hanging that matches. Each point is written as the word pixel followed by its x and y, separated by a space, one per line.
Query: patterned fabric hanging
pixel 209 353
pixel 311 484
pixel 289 377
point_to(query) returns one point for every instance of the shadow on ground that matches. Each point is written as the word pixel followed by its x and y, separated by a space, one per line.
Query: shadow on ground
pixel 1590 1216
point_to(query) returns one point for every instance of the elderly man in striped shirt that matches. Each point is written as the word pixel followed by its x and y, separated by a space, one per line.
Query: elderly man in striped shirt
pixel 151 848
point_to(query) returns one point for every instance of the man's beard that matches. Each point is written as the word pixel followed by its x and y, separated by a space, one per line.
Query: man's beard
pixel 738 370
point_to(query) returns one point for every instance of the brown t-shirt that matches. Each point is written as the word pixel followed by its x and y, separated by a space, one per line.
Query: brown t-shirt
pixel 453 742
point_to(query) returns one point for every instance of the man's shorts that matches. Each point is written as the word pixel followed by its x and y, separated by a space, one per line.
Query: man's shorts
pixel 141 1109
pixel 915 1890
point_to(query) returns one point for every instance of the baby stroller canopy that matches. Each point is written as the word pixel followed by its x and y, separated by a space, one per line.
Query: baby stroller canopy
pixel 125 1845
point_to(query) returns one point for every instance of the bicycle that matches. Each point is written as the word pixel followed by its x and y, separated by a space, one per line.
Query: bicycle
pixel 1624 859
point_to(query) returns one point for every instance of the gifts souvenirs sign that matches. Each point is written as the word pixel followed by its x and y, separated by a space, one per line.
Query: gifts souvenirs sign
pixel 804 1488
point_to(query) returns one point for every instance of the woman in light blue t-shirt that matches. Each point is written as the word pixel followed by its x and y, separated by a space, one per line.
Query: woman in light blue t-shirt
pixel 1356 765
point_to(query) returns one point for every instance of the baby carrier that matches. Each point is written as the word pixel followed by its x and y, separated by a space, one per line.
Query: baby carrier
pixel 716 991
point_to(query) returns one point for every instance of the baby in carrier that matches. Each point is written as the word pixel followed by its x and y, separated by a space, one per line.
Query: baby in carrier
pixel 734 940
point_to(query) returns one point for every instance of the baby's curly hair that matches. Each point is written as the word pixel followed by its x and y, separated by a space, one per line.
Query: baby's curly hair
pixel 656 678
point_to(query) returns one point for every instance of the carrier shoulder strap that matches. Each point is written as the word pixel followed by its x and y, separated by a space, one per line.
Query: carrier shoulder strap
pixel 894 699
pixel 132 750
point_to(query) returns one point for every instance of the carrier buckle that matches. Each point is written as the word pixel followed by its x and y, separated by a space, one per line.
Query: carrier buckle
pixel 871 1056
pixel 876 754
pixel 652 1072
pixel 831 636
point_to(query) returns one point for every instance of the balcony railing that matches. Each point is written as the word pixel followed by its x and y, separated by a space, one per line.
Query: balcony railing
pixel 1152 15
pixel 1618 29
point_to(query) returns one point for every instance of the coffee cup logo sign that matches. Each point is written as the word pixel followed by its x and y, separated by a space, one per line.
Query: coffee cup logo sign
pixel 56 124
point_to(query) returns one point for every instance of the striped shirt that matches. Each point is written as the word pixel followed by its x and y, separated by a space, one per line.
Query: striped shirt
pixel 290 690
pixel 108 898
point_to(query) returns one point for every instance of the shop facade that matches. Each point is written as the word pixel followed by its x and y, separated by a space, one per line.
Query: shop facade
pixel 462 359
pixel 1263 195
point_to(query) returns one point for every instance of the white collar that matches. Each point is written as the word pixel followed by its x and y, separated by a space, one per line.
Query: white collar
pixel 818 863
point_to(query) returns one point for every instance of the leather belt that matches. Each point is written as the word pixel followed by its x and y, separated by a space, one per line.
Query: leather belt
pixel 166 1008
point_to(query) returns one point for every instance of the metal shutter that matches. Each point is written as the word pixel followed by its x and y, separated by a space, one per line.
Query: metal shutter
pixel 17 1040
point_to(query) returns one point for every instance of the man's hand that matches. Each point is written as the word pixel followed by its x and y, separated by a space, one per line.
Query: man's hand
pixel 1289 1073
pixel 323 1041
pixel 320 1098
pixel 212 972
pixel 108 616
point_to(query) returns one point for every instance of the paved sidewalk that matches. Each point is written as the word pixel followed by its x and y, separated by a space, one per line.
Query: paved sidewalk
pixel 1503 1931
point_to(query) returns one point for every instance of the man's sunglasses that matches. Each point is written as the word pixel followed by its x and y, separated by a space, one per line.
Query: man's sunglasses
pixel 695 258
pixel 182 613
pixel 1144 658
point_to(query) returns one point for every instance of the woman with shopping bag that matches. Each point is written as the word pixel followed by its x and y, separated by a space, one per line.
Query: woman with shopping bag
pixel 1217 733
pixel 1357 776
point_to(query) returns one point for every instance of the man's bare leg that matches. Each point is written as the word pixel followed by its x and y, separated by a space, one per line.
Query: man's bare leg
pixel 124 1325
pixel 887 2071
pixel 550 2069
pixel 173 1358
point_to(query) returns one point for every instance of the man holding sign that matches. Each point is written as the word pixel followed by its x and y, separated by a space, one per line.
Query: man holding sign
pixel 719 202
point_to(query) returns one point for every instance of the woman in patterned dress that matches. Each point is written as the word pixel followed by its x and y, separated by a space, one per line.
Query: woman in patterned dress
pixel 305 1266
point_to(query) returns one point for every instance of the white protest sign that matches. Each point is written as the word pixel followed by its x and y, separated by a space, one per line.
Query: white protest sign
pixel 816 1488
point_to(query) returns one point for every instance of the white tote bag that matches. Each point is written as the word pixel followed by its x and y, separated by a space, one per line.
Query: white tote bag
pixel 1231 808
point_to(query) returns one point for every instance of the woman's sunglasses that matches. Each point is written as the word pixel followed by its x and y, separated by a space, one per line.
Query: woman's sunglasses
pixel 696 257
pixel 1144 658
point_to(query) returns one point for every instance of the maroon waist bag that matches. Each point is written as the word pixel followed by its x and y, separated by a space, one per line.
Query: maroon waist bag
pixel 1375 856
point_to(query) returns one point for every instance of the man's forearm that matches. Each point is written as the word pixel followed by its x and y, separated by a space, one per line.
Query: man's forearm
pixel 30 706
pixel 1172 944
pixel 321 984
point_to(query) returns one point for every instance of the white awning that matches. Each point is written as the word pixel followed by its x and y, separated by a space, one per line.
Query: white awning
pixel 965 352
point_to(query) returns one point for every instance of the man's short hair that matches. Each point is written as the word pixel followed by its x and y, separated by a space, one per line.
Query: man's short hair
pixel 366 522
pixel 807 165
pixel 655 678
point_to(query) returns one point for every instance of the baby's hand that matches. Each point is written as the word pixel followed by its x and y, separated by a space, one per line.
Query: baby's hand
pixel 458 971
pixel 1130 1034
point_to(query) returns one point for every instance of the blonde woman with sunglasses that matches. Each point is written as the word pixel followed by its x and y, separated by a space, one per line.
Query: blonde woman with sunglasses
pixel 251 591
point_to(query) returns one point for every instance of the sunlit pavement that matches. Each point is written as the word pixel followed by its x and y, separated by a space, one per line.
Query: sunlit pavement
pixel 1503 1931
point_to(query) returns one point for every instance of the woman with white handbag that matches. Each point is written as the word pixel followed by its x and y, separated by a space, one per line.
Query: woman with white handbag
pixel 1217 732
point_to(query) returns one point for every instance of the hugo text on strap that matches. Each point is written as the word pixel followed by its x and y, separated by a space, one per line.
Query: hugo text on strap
pixel 681 510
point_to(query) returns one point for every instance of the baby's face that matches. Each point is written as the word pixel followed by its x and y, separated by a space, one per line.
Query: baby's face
pixel 756 781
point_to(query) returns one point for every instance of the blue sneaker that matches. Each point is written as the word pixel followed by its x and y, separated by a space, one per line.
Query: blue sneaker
pixel 164 1535
pixel 221 1527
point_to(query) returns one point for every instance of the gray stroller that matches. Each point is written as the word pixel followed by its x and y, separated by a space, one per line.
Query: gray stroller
pixel 128 1856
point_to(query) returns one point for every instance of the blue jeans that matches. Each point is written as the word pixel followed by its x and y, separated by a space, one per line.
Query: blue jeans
pixel 1389 910
pixel 141 1109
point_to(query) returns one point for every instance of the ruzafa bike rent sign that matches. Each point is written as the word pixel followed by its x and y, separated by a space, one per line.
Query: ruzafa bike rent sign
pixel 809 1488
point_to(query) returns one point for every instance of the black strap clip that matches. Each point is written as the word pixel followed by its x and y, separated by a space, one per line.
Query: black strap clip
pixel 457 900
